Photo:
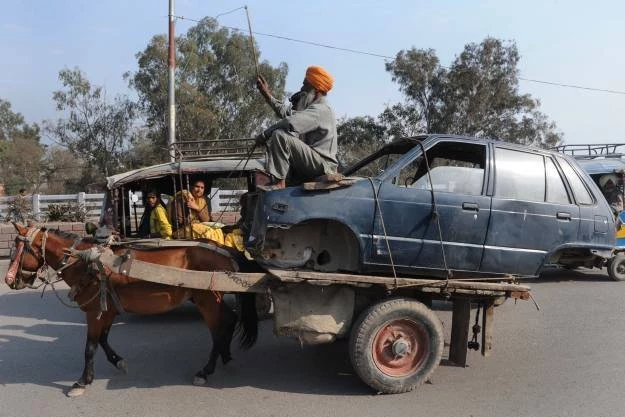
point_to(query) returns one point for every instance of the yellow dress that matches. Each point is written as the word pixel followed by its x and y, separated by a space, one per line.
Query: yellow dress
pixel 159 223
pixel 196 229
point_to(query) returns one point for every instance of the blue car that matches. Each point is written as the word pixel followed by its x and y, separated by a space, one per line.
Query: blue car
pixel 438 205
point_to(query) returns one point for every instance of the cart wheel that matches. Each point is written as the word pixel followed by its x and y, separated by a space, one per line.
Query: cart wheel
pixel 616 267
pixel 396 344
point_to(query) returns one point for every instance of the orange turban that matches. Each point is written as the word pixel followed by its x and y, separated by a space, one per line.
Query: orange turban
pixel 319 78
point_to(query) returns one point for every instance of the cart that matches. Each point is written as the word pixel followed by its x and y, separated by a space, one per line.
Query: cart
pixel 396 340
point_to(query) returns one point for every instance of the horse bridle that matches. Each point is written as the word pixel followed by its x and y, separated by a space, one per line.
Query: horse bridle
pixel 43 269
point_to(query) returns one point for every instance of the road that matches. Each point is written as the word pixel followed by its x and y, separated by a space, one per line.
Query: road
pixel 565 360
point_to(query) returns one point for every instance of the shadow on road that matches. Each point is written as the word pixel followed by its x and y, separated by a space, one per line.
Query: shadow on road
pixel 579 274
pixel 161 350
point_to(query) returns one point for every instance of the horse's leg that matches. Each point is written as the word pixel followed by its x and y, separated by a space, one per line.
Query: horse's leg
pixel 216 318
pixel 94 330
pixel 111 355
pixel 226 328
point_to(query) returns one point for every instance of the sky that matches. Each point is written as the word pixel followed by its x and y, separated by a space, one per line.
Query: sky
pixel 567 42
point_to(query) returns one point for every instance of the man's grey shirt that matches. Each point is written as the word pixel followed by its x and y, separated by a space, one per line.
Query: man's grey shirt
pixel 315 126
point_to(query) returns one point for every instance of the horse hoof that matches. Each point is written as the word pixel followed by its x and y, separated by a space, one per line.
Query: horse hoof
pixel 198 381
pixel 122 365
pixel 76 391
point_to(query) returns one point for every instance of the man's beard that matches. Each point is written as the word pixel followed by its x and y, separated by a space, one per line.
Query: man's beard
pixel 304 99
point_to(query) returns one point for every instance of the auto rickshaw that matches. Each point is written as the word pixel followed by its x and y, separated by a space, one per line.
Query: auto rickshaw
pixel 605 163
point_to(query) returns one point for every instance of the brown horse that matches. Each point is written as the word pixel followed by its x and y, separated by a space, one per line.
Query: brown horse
pixel 36 249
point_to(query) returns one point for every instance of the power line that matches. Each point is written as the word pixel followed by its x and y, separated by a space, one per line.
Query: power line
pixel 386 57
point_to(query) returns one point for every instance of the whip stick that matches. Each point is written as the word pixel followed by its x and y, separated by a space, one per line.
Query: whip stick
pixel 249 25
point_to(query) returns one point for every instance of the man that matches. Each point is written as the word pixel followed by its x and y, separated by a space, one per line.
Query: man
pixel 612 192
pixel 304 142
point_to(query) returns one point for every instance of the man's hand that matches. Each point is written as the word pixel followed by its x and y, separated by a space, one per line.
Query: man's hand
pixel 263 87
pixel 261 139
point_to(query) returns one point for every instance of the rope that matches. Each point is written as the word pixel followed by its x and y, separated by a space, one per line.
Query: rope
pixel 388 246
pixel 247 158
pixel 435 211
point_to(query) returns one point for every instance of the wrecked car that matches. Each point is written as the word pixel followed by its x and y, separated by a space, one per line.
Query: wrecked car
pixel 438 205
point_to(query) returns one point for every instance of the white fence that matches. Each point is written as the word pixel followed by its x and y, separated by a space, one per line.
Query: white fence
pixel 221 200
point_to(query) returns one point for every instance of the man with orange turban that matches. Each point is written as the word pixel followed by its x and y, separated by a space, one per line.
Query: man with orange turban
pixel 304 143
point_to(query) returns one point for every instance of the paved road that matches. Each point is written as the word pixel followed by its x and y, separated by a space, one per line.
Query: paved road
pixel 565 360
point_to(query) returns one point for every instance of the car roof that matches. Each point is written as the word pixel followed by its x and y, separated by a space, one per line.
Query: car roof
pixel 218 167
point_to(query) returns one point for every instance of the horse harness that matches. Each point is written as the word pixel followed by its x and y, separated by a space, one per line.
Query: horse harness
pixel 43 272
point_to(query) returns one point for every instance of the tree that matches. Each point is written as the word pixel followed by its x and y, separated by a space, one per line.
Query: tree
pixel 478 95
pixel 62 171
pixel 94 130
pixel 215 86
pixel 357 138
pixel 20 151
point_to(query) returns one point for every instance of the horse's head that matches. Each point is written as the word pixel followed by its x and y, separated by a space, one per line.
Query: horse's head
pixel 27 256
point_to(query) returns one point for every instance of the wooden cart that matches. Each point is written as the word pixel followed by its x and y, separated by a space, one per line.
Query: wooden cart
pixel 395 339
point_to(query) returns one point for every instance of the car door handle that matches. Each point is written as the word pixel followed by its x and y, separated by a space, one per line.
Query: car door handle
pixel 470 206
pixel 563 215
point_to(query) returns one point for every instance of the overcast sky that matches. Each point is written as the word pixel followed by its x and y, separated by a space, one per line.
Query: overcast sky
pixel 568 42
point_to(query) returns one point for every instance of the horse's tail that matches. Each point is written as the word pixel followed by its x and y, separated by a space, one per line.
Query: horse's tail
pixel 248 320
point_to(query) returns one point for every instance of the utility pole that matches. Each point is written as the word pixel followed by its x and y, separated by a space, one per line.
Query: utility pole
pixel 172 96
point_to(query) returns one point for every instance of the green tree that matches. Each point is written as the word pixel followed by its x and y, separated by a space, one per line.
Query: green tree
pixel 20 151
pixel 93 129
pixel 477 95
pixel 215 86
pixel 357 138
pixel 62 171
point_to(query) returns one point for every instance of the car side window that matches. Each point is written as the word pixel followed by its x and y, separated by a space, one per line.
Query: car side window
pixel 556 191
pixel 579 189
pixel 519 175
pixel 455 167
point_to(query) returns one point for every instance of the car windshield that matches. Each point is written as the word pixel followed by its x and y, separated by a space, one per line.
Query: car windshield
pixel 376 163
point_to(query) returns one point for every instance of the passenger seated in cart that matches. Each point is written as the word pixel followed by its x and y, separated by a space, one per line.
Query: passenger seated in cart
pixel 154 222
pixel 190 214
pixel 613 194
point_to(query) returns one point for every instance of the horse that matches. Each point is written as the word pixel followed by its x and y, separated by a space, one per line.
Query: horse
pixel 36 249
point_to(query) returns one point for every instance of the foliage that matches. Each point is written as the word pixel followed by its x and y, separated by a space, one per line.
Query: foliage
pixel 67 212
pixel 215 86
pixel 94 129
pixel 20 151
pixel 19 209
pixel 357 138
pixel 62 171
pixel 477 95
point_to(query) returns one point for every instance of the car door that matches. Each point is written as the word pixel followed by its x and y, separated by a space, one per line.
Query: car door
pixel 406 230
pixel 532 212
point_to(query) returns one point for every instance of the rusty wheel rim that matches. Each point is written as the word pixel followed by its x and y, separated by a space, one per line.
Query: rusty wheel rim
pixel 400 347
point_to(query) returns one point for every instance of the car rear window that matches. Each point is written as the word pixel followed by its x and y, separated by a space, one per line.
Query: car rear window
pixel 556 190
pixel 519 175
pixel 579 189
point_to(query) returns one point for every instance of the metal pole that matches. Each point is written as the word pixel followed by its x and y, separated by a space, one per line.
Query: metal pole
pixel 172 97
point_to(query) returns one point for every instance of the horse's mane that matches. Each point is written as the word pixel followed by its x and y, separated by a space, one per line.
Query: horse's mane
pixel 68 235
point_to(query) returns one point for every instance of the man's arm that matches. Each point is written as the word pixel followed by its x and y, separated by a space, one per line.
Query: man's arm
pixel 281 109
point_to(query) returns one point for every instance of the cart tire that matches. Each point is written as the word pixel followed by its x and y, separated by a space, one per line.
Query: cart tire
pixel 395 345
pixel 616 267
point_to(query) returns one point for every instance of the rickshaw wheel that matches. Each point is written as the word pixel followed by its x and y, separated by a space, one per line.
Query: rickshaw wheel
pixel 396 344
pixel 616 267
